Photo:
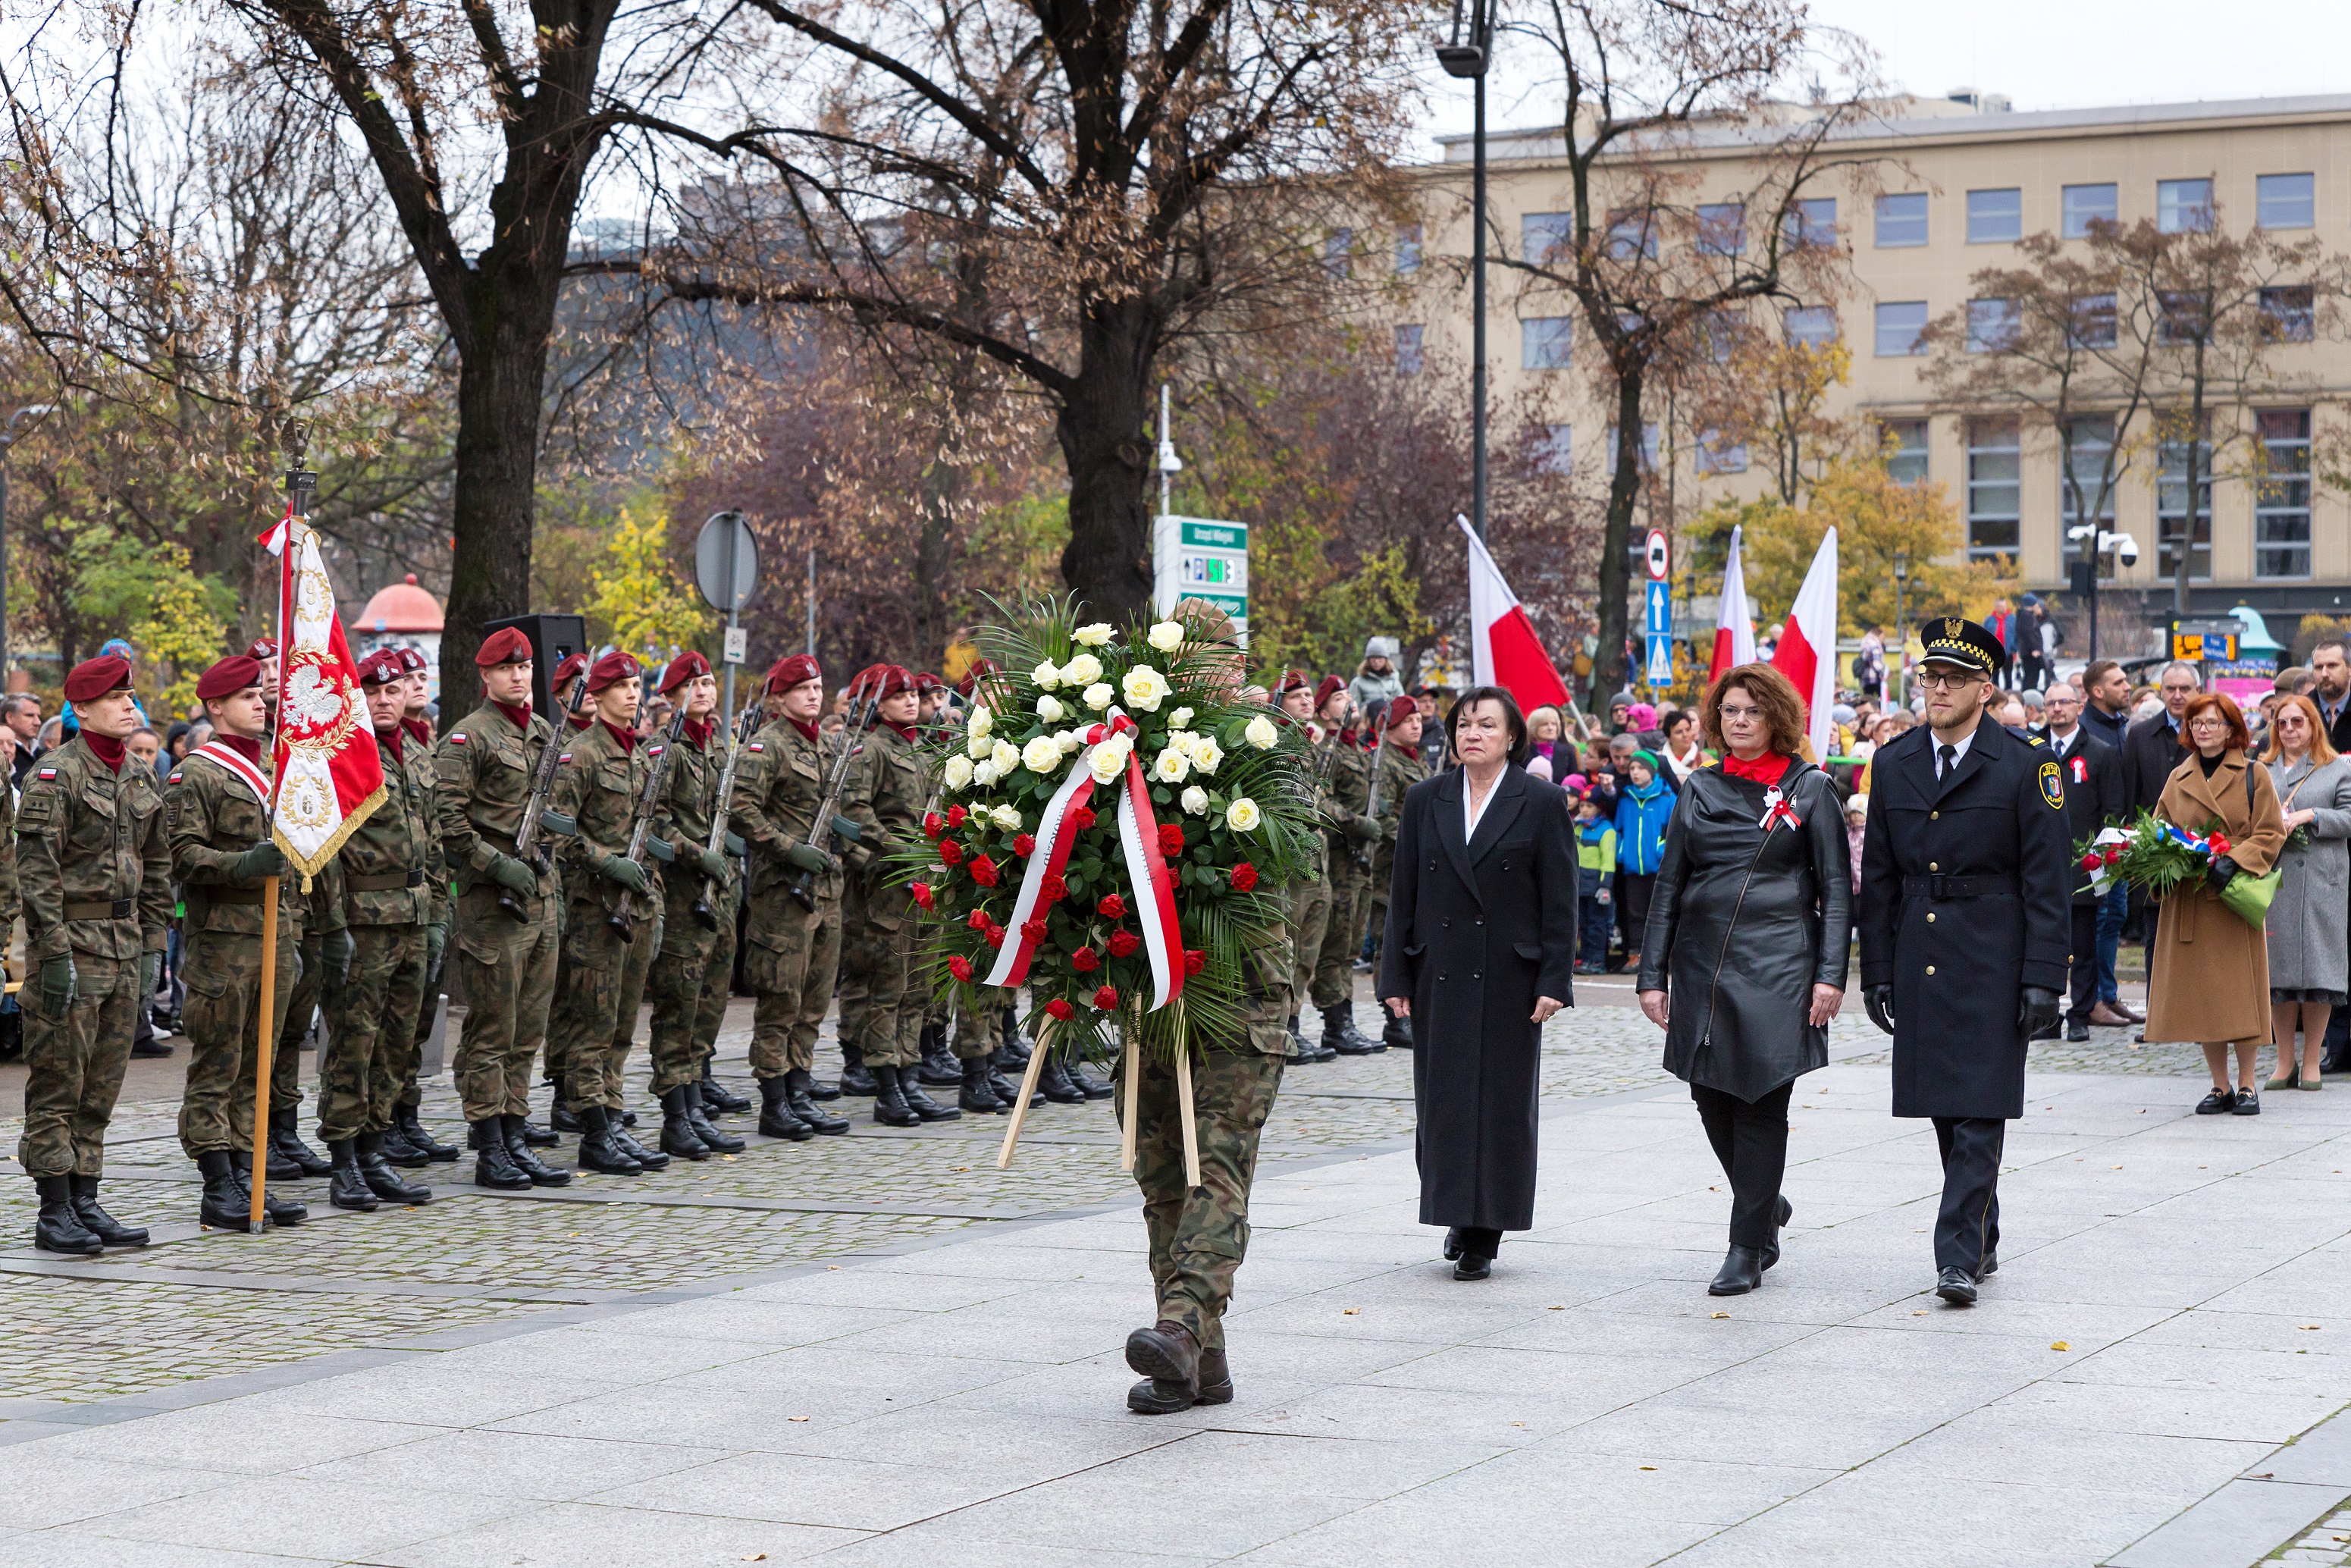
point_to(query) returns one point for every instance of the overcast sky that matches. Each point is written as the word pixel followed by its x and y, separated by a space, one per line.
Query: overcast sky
pixel 2044 54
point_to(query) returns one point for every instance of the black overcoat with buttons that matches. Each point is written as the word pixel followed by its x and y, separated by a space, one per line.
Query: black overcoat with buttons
pixel 1966 896
pixel 1478 928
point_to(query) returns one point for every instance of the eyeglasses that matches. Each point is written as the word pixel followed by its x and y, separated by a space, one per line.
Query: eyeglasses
pixel 1729 711
pixel 1957 682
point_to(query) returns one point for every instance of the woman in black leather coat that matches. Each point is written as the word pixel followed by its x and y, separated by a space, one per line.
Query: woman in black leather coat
pixel 1743 964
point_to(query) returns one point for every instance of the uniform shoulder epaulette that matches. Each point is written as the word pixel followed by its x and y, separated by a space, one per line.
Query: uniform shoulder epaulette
pixel 2032 740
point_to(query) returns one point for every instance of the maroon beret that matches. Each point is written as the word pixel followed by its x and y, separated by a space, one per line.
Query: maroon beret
pixel 890 680
pixel 612 670
pixel 380 668
pixel 506 645
pixel 684 668
pixel 412 661
pixel 926 682
pixel 263 648
pixel 93 678
pixel 228 677
pixel 572 664
pixel 980 670
pixel 792 670
pixel 1323 692
pixel 1292 681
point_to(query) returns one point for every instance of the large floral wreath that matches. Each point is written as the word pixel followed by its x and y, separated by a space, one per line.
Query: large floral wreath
pixel 1116 823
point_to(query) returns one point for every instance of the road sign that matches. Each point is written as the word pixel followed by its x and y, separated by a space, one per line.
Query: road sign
pixel 1201 558
pixel 1660 556
pixel 1661 661
pixel 726 561
pixel 1661 607
pixel 738 644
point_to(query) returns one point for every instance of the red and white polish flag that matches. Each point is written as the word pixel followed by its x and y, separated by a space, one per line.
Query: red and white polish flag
pixel 1503 648
pixel 327 774
pixel 1807 651
pixel 1734 627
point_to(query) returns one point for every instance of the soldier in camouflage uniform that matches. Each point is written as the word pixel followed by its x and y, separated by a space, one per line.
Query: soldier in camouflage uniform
pixel 483 776
pixel 95 878
pixel 416 745
pixel 603 774
pixel 574 726
pixel 688 983
pixel 1346 790
pixel 387 906
pixel 1199 1235
pixel 1400 769
pixel 1309 896
pixel 290 1159
pixel 792 950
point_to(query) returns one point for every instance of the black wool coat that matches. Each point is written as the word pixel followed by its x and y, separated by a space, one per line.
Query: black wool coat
pixel 1966 899
pixel 2096 797
pixel 1478 928
pixel 1744 924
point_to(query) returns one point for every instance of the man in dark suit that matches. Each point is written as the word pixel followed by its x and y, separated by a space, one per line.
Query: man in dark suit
pixel 1965 883
pixel 2105 703
pixel 2093 774
pixel 2332 669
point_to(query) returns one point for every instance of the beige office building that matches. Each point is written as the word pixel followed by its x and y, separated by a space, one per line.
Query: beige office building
pixel 1956 182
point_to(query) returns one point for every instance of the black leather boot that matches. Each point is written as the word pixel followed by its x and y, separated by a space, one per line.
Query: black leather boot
pixel 909 1090
pixel 1169 1359
pixel 110 1231
pixel 977 1097
pixel 938 1066
pixel 801 1095
pixel 382 1179
pixel 494 1167
pixel 412 1129
pixel 714 1138
pixel 561 1120
pixel 539 1137
pixel 277 1208
pixel 397 1151
pixel 1340 1035
pixel 1299 1055
pixel 525 1160
pixel 890 1107
pixel 347 1185
pixel 677 1136
pixel 598 1152
pixel 651 1159
pixel 1741 1271
pixel 57 1228
pixel 225 1205
pixel 280 1169
pixel 716 1098
pixel 1398 1032
pixel 1053 1082
pixel 856 1078
pixel 285 1138
pixel 1017 1043
pixel 1073 1066
pixel 816 1088
pixel 778 1118
pixel 1004 1084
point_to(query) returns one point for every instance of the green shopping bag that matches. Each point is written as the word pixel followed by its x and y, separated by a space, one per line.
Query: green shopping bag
pixel 2248 896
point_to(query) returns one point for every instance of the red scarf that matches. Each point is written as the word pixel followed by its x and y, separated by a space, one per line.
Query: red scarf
pixel 246 746
pixel 1766 770
pixel 517 717
pixel 389 740
pixel 627 737
pixel 580 722
pixel 105 748
pixel 808 731
pixel 905 730
pixel 421 728
pixel 698 731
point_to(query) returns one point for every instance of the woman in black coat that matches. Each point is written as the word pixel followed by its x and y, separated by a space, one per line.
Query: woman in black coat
pixel 1743 964
pixel 1479 947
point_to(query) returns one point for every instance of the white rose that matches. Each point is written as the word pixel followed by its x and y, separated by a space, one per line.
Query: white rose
pixel 1042 755
pixel 957 772
pixel 1050 710
pixel 1242 815
pixel 1091 636
pixel 1144 688
pixel 1098 695
pixel 1172 767
pixel 1006 756
pixel 1181 718
pixel 977 745
pixel 1082 671
pixel 1205 753
pixel 1006 819
pixel 983 721
pixel 1262 732
pixel 1046 675
pixel 1068 740
pixel 985 774
pixel 1168 636
pixel 1195 801
pixel 1106 763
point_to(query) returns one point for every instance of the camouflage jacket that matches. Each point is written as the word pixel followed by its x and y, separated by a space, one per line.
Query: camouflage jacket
pixel 389 865
pixel 89 842
pixel 482 777
pixel 211 816
pixel 1399 771
pixel 777 786
pixel 888 790
pixel 1346 792
pixel 596 784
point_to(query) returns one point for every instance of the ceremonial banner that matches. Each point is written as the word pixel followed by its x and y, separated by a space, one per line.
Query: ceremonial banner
pixel 329 775
pixel 1807 650
pixel 1734 627
pixel 1505 652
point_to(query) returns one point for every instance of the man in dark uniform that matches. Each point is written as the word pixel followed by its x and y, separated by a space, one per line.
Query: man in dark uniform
pixel 1966 884
pixel 2093 800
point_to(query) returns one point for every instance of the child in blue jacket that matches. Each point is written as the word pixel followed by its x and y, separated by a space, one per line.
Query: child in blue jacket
pixel 1644 807
pixel 1595 861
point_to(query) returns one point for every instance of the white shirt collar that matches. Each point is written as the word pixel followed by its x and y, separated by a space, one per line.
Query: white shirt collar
pixel 1472 808
pixel 1959 748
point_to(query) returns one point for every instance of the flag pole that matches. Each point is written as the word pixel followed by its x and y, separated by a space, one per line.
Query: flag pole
pixel 300 482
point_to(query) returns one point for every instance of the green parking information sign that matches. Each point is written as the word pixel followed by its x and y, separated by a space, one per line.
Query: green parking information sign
pixel 1201 558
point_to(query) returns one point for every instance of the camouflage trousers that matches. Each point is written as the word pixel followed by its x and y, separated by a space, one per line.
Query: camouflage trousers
pixel 875 961
pixel 507 969
pixel 74 1066
pixel 370 1058
pixel 411 1094
pixel 305 1000
pixel 595 1017
pixel 790 960
pixel 1199 1235
pixel 223 1018
pixel 1309 915
pixel 1343 932
pixel 982 1027
pixel 689 986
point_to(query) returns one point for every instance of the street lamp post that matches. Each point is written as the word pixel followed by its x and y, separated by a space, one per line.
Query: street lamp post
pixel 1901 638
pixel 1468 56
pixel 7 444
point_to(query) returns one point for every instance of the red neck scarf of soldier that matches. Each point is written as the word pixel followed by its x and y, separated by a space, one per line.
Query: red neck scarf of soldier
pixel 389 740
pixel 1766 770
pixel 905 731
pixel 421 728
pixel 517 717
pixel 806 726
pixel 620 733
pixel 105 748
pixel 698 731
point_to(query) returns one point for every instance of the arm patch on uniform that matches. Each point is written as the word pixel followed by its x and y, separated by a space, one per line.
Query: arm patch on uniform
pixel 456 737
pixel 2052 786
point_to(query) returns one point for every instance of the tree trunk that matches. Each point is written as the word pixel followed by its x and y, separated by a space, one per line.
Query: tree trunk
pixel 1615 540
pixel 1107 563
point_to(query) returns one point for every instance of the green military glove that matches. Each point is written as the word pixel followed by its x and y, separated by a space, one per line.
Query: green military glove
pixel 150 971
pixel 848 829
pixel 264 859
pixel 436 943
pixel 809 858
pixel 338 949
pixel 713 864
pixel 511 873
pixel 1362 827
pixel 626 872
pixel 58 983
pixel 558 823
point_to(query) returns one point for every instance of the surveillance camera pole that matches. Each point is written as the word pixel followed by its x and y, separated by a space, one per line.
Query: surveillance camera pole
pixel 1470 57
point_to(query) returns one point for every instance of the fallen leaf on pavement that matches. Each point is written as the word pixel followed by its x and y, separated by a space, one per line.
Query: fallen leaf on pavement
pixel 2059 1345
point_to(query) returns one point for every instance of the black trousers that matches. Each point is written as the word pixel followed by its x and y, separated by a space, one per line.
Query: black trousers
pixel 2085 971
pixel 1751 1139
pixel 1967 1231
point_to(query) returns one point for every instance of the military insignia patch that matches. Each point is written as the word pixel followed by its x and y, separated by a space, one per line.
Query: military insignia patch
pixel 2052 786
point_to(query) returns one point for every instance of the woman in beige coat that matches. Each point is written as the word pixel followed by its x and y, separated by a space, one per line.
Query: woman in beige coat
pixel 2210 971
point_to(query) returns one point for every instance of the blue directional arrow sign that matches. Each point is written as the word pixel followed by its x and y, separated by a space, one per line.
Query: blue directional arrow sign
pixel 1661 610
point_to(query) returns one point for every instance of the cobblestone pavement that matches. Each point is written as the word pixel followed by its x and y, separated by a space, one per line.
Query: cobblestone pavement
pixel 198 1304
pixel 2327 1542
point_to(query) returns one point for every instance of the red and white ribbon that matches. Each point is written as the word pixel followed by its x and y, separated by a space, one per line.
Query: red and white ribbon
pixel 1777 811
pixel 1154 900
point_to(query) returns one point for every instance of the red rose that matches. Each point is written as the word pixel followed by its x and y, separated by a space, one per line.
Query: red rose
pixel 1106 999
pixel 2220 844
pixel 922 891
pixel 956 814
pixel 1122 943
pixel 1034 929
pixel 1195 961
pixel 1111 908
pixel 960 967
pixel 1058 1008
pixel 994 935
pixel 983 872
pixel 2093 861
pixel 1171 837
pixel 978 921
pixel 950 852
pixel 2114 854
pixel 1083 817
pixel 1244 877
pixel 1024 846
pixel 1053 889
pixel 934 824
pixel 1085 961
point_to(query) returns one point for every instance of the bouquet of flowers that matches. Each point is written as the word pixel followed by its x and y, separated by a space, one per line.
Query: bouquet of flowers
pixel 2160 859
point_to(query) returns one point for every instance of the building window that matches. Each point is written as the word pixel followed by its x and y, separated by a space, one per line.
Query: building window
pixel 1992 326
pixel 1338 252
pixel 1899 325
pixel 2087 205
pixel 1407 248
pixel 2180 318
pixel 2286 202
pixel 1554 449
pixel 1716 455
pixel 1407 351
pixel 2171 509
pixel 2183 206
pixel 1544 238
pixel 2282 501
pixel 1810 222
pixel 1994 488
pixel 1545 342
pixel 1631 236
pixel 1720 330
pixel 1813 326
pixel 1904 443
pixel 1902 221
pixel 1721 229
pixel 2092 442
pixel 2289 315
pixel 2090 321
pixel 1995 217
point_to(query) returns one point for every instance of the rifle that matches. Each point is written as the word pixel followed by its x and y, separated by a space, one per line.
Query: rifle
pixel 860 719
pixel 641 827
pixel 1362 850
pixel 542 784
pixel 705 907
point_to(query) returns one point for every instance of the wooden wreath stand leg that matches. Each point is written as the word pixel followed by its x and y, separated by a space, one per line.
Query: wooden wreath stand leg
pixel 1191 1127
pixel 1131 1097
pixel 1045 1033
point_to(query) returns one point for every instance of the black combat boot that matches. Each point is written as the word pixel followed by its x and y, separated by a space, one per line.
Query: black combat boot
pixel 1016 1044
pixel 938 1065
pixel 225 1205
pixel 1053 1082
pixel 801 1095
pixel 110 1231
pixel 717 1096
pixel 382 1179
pixel 778 1117
pixel 1340 1035
pixel 561 1119
pixel 1002 1082
pixel 651 1159
pixel 909 1090
pixel 856 1078
pixel 493 1165
pixel 815 1088
pixel 1299 1055
pixel 677 1136
pixel 398 1151
pixel 519 1152
pixel 347 1184
pixel 285 1139
pixel 277 1208
pixel 598 1152
pixel 714 1138
pixel 57 1228
pixel 405 1118
pixel 976 1096
pixel 1074 1065
pixel 1398 1032
pixel 1169 1359
pixel 280 1169
pixel 890 1107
